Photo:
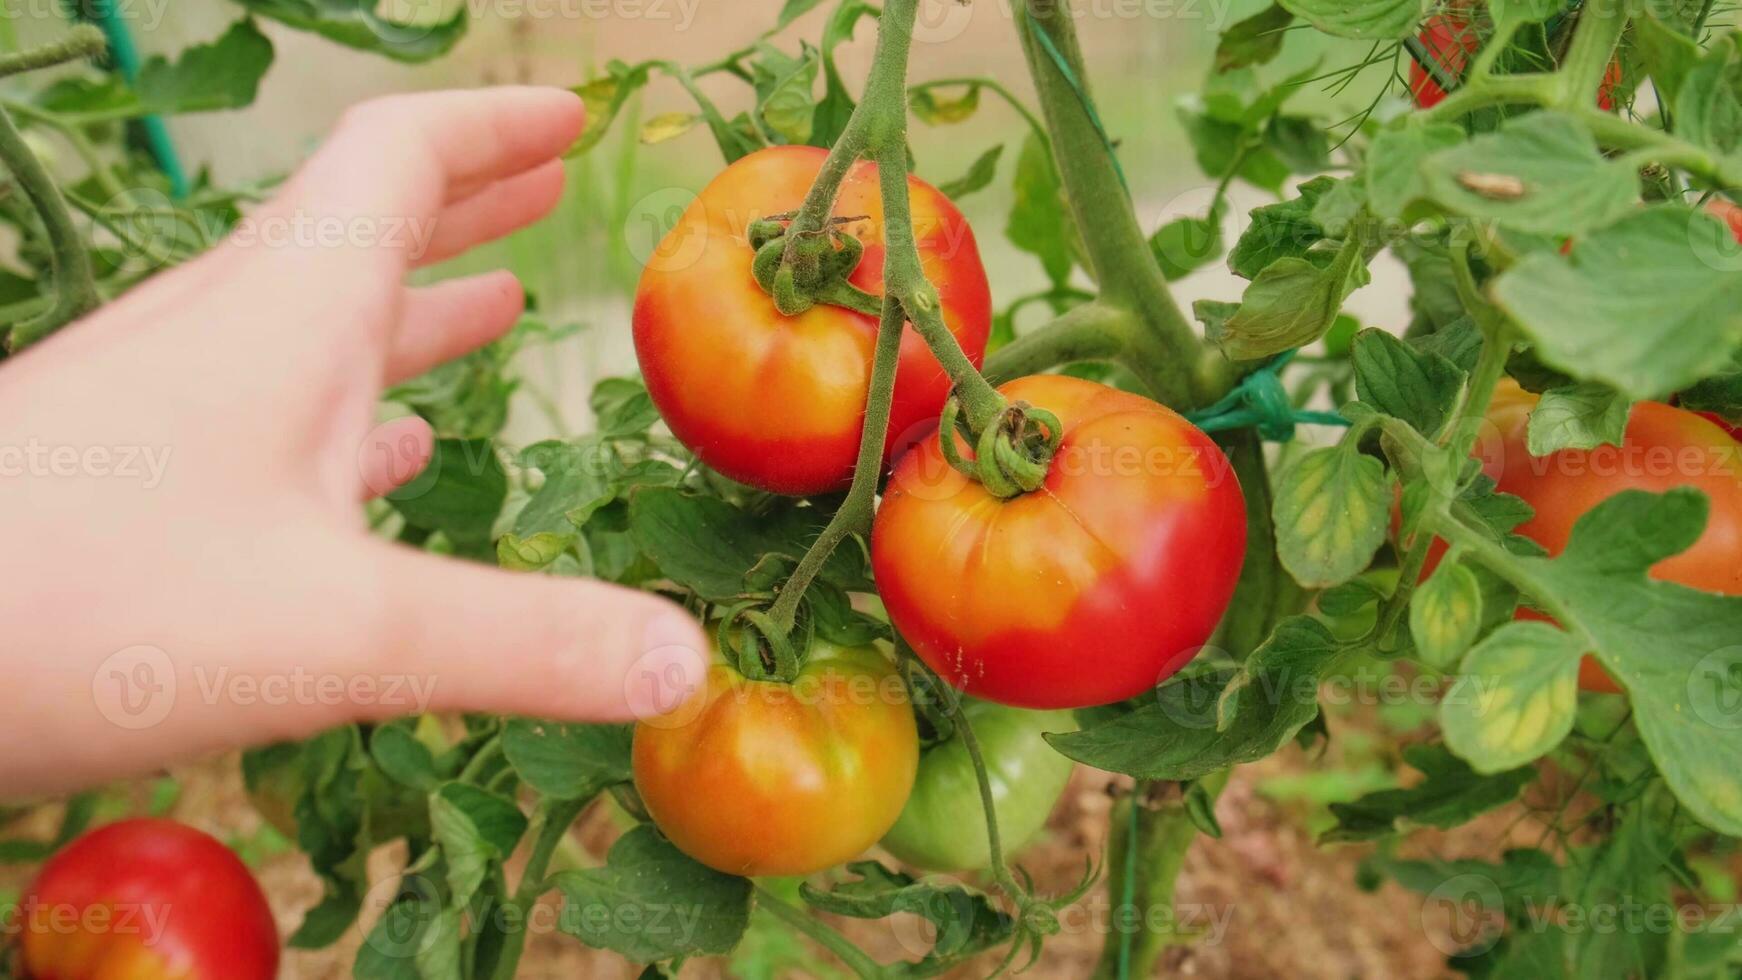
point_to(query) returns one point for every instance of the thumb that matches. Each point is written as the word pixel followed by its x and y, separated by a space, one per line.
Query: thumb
pixel 488 640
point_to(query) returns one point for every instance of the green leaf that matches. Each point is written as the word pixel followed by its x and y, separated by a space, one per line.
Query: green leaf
pixel 224 74
pixel 1280 230
pixel 793 10
pixel 459 494
pixel 966 921
pixel 1668 55
pixel 668 126
pixel 476 829
pixel 1253 41
pixel 1445 614
pixel 1218 144
pixel 1200 722
pixel 533 553
pixel 1366 20
pixel 631 905
pixel 1672 648
pixel 1707 110
pixel 1418 386
pixel 1332 508
pixel 1451 795
pixel 1515 697
pixel 1292 303
pixel 1185 244
pixel 1541 172
pixel 938 110
pixel 604 97
pixel 1395 178
pixel 789 106
pixel 1300 142
pixel 1646 305
pixel 1579 416
pixel 404 758
pixel 568 762
pixel 1720 393
pixel 358 24
pixel 978 177
pixel 622 407
pixel 1038 219
pixel 1214 315
pixel 703 543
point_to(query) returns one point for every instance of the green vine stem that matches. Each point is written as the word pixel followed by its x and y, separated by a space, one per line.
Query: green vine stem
pixel 997 88
pixel 1155 856
pixel 904 279
pixel 855 958
pixel 854 514
pixel 83 41
pixel 75 282
pixel 1093 331
pixel 1187 374
pixel 551 820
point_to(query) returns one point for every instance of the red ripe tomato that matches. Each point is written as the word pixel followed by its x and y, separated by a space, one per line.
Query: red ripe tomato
pixel 1451 41
pixel 146 900
pixel 1663 448
pixel 1094 588
pixel 776 401
pixel 762 778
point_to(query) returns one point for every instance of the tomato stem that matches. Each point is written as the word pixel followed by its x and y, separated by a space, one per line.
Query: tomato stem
pixel 854 514
pixel 75 282
pixel 551 820
pixel 844 949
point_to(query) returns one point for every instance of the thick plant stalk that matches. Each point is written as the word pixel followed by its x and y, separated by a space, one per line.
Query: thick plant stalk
pixel 1181 371
pixel 1164 832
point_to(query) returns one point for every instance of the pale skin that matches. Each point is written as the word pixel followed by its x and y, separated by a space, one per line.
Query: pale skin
pixel 238 598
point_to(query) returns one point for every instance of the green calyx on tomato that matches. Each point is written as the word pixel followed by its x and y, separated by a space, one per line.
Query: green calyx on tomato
pixel 757 778
pixel 1095 588
pixel 943 827
pixel 774 400
pixel 148 900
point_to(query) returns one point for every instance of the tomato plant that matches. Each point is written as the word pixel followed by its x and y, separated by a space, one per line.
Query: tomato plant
pixel 1091 589
pixel 146 898
pixel 699 309
pixel 1026 777
pixel 890 478
pixel 763 778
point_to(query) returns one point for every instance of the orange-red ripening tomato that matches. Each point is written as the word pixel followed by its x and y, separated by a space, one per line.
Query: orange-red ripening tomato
pixel 146 900
pixel 1664 448
pixel 776 401
pixel 1451 41
pixel 1091 589
pixel 763 778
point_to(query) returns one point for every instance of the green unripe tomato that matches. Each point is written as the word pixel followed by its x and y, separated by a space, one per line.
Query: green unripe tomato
pixel 943 827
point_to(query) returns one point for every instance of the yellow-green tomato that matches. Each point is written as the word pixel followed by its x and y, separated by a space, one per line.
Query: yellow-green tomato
pixel 763 778
pixel 943 826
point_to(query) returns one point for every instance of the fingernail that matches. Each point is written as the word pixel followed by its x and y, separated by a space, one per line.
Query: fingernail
pixel 672 667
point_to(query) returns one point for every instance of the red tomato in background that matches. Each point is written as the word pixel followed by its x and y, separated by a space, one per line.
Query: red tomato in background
pixel 762 778
pixel 1451 41
pixel 776 401
pixel 146 900
pixel 1663 448
pixel 1092 589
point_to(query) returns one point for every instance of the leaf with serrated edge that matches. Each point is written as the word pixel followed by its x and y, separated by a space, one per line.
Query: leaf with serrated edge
pixel 1332 508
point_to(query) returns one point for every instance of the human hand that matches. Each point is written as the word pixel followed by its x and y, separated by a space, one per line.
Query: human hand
pixel 242 390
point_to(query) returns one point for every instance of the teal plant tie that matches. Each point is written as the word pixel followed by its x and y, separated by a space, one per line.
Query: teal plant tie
pixel 126 55
pixel 1076 84
pixel 1260 400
